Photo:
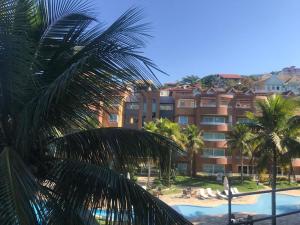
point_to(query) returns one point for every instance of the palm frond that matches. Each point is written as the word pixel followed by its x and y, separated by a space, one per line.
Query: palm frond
pixel 89 188
pixel 119 146
pixel 20 195
pixel 76 84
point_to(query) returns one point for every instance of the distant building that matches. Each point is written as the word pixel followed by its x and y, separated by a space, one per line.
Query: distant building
pixel 213 110
pixel 224 79
pixel 286 80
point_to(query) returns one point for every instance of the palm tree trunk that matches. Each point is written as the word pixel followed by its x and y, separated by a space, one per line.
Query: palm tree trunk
pixel 274 173
pixel 242 169
pixel 292 172
pixel 191 165
pixel 169 172
pixel 149 173
pixel 194 164
pixel 253 173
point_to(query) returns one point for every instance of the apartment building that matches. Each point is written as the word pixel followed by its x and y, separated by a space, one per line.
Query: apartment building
pixel 214 111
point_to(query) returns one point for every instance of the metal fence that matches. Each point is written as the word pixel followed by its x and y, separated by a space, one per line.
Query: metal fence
pixel 253 221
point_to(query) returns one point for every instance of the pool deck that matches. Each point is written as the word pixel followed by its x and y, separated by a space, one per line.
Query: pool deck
pixel 177 199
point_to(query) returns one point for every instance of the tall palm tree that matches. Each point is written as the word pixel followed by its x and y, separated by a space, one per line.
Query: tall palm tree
pixel 238 140
pixel 194 143
pixel 59 67
pixel 276 130
pixel 168 129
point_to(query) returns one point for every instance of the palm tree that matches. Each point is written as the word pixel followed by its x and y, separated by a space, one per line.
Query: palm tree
pixel 194 143
pixel 168 129
pixel 59 67
pixel 276 130
pixel 238 140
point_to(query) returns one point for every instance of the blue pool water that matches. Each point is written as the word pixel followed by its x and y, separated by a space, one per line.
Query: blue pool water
pixel 285 203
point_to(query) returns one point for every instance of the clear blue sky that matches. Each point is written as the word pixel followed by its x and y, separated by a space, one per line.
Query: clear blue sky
pixel 216 36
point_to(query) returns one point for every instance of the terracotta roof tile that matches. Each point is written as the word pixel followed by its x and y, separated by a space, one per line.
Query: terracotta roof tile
pixel 230 76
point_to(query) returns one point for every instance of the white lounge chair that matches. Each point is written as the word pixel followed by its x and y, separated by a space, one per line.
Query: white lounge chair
pixel 232 191
pixel 210 193
pixel 236 191
pixel 202 194
pixel 220 195
pixel 227 193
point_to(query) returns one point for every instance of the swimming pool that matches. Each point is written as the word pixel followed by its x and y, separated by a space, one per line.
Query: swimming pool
pixel 285 203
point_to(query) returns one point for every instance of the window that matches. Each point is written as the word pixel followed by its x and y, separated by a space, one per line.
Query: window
pixel 208 168
pixel 208 102
pixel 278 88
pixel 182 167
pixel 207 136
pixel 213 152
pixel 113 118
pixel 166 107
pixel 247 169
pixel 213 120
pixel 219 152
pixel 186 103
pixel 145 107
pixel 213 168
pixel 219 168
pixel 153 105
pixel 133 105
pixel 153 108
pixel 183 120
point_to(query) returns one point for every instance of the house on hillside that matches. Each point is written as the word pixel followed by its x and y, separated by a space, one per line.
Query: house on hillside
pixel 286 80
pixel 224 79
pixel 270 83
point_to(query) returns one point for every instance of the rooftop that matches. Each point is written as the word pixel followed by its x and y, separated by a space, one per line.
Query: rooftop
pixel 230 76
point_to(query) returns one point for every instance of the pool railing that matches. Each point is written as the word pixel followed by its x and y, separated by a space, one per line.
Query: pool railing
pixel 252 221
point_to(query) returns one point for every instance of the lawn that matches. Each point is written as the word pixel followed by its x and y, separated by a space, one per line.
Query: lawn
pixel 181 182
pixel 286 184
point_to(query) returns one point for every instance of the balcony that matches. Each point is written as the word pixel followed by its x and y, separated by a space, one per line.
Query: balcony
pixel 185 111
pixel 215 126
pixel 215 160
pixel 215 143
pixel 222 111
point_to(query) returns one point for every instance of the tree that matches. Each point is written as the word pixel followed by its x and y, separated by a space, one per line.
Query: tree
pixel 166 128
pixel 194 143
pixel 58 67
pixel 190 79
pixel 276 130
pixel 238 140
pixel 169 130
